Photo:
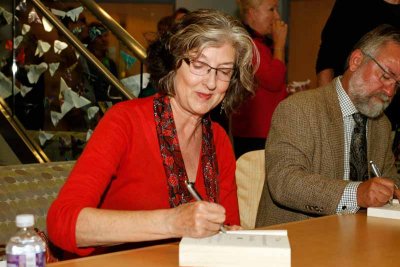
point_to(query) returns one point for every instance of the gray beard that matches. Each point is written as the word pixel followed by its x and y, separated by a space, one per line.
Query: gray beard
pixel 367 105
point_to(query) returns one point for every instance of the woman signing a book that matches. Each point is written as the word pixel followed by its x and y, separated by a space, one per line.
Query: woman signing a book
pixel 129 185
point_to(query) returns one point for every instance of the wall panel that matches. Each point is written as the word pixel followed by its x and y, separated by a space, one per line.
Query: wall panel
pixel 307 18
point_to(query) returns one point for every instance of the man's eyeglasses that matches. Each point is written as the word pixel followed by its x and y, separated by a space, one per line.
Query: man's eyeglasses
pixel 201 68
pixel 386 78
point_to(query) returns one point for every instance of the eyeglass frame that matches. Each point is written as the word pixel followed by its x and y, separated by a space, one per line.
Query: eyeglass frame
pixel 385 72
pixel 189 61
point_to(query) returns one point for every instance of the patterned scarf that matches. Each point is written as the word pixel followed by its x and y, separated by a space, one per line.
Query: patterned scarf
pixel 172 157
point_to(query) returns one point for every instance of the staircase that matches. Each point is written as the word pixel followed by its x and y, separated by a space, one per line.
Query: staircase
pixel 56 78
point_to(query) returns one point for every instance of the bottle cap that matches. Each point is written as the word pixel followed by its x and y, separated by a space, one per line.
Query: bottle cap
pixel 25 220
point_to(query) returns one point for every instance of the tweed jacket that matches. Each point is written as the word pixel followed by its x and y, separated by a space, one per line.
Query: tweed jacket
pixel 304 157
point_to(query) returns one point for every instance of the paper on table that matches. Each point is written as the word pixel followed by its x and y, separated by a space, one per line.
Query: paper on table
pixel 296 86
pixel 300 83
pixel 243 248
pixel 243 237
pixel 259 232
pixel 387 211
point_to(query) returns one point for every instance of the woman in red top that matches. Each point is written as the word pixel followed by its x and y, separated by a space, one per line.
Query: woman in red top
pixel 129 185
pixel 250 125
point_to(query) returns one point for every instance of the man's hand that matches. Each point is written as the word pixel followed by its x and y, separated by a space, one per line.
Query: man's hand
pixel 375 192
pixel 397 193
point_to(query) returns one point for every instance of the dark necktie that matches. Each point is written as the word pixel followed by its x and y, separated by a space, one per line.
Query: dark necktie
pixel 358 149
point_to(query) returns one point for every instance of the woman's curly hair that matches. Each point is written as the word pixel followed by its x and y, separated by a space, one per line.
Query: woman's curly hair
pixel 198 30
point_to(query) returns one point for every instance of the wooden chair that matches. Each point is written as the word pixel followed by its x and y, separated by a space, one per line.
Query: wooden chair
pixel 250 176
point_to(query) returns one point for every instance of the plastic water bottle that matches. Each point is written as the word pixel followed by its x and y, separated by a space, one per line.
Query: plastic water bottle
pixel 26 248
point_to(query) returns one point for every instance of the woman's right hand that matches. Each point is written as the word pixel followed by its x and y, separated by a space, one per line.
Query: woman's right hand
pixel 279 33
pixel 196 219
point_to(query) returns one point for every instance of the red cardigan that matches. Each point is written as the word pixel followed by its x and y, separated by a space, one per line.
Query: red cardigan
pixel 253 119
pixel 123 160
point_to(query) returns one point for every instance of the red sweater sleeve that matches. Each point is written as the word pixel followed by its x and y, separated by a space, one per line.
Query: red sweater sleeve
pixel 271 72
pixel 254 117
pixel 88 181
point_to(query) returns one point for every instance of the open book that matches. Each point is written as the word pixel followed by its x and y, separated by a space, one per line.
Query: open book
pixel 237 248
pixel 386 211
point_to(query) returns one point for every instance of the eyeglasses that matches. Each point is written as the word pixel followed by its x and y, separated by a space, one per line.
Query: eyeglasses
pixel 201 68
pixel 386 78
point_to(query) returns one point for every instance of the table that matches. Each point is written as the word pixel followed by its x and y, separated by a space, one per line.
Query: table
pixel 338 240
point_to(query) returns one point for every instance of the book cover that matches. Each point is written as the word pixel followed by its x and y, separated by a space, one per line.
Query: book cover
pixel 237 248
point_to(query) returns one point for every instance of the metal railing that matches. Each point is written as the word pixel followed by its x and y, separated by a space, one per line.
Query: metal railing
pixel 82 49
pixel 36 153
pixel 134 46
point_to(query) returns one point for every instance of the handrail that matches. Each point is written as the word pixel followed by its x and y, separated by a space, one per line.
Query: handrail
pixel 134 46
pixel 82 49
pixel 37 151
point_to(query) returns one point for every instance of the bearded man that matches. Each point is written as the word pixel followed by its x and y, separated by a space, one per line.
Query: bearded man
pixel 321 141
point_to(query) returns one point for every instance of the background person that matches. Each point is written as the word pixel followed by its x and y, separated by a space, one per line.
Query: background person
pixel 250 125
pixel 129 183
pixel 98 45
pixel 163 26
pixel 311 167
pixel 344 27
pixel 180 13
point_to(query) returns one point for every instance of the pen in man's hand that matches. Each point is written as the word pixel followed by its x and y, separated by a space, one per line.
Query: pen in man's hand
pixel 196 195
pixel 377 173
pixel 375 169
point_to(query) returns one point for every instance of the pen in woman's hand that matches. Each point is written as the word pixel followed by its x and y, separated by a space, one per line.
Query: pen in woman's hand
pixel 196 195
pixel 377 173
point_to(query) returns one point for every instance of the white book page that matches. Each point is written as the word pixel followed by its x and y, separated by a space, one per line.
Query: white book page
pixel 245 238
pixel 259 232
pixel 386 211
pixel 394 207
